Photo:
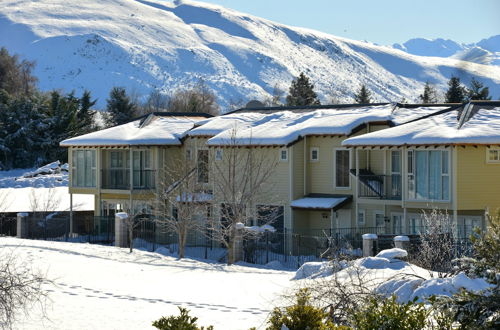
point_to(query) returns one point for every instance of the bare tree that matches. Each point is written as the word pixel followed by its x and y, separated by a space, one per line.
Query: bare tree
pixel 182 204
pixel 437 238
pixel 241 179
pixel 156 102
pixel 200 98
pixel 20 288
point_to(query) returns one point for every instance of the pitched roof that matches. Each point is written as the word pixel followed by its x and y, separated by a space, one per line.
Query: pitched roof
pixel 472 123
pixel 153 129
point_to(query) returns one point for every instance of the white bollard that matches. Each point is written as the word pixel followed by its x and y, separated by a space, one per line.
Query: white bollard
pixel 121 233
pixel 22 225
pixel 402 242
pixel 369 245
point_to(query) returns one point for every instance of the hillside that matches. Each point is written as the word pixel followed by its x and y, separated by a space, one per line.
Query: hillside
pixel 144 45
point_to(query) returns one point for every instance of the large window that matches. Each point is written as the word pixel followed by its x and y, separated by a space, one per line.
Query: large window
pixel 342 163
pixel 84 168
pixel 428 175
pixel 142 173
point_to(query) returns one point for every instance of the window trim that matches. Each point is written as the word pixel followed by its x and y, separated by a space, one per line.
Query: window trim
pixel 375 213
pixel 311 151
pixel 93 168
pixel 488 150
pixel 218 154
pixel 281 155
pixel 363 212
pixel 349 187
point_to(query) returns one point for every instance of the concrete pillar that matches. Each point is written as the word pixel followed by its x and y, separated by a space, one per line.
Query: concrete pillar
pixel 22 225
pixel 121 233
pixel 370 245
pixel 238 242
pixel 402 242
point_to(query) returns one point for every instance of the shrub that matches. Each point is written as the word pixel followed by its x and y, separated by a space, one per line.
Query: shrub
pixel 301 315
pixel 388 314
pixel 181 322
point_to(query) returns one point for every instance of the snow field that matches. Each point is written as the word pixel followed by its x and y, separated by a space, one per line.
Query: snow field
pixel 99 287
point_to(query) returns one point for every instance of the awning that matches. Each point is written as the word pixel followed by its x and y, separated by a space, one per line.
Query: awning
pixel 321 203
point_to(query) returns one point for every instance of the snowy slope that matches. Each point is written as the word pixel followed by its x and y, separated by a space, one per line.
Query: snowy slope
pixel 147 44
pixel 486 51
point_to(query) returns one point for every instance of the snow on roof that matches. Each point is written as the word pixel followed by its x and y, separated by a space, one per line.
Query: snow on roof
pixel 320 203
pixel 155 130
pixel 286 126
pixel 482 127
pixel 43 199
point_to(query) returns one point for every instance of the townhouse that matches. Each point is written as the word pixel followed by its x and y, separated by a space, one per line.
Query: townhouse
pixel 448 161
pixel 320 183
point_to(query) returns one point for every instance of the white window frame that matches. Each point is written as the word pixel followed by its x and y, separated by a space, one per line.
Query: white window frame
pixel 403 224
pixel 361 223
pixel 218 154
pixel 412 195
pixel 311 153
pixel 335 168
pixel 281 155
pixel 497 151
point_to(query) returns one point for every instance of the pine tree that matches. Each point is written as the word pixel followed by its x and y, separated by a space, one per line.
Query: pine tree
pixel 120 108
pixel 363 96
pixel 301 92
pixel 477 91
pixel 456 93
pixel 429 95
pixel 85 115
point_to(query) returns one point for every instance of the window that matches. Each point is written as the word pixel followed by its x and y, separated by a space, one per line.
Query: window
pixel 493 155
pixel 142 174
pixel 283 155
pixel 361 217
pixel 314 154
pixel 84 168
pixel 189 155
pixel 202 166
pixel 395 183
pixel 397 224
pixel 218 154
pixel 118 175
pixel 415 225
pixel 342 163
pixel 379 221
pixel 430 179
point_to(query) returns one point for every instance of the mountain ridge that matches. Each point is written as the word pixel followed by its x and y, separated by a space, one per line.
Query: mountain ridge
pixel 146 44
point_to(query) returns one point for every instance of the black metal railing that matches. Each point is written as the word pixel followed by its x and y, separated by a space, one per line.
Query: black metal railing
pixel 120 179
pixel 380 186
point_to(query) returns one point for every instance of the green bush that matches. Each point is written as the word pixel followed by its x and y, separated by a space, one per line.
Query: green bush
pixel 389 314
pixel 181 322
pixel 301 315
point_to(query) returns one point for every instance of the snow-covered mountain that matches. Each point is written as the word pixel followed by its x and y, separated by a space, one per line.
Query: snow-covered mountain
pixel 486 51
pixel 147 44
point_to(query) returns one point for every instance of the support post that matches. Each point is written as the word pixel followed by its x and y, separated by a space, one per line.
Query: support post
pixel 370 245
pixel 71 214
pixel 22 225
pixel 121 233
pixel 238 242
pixel 402 242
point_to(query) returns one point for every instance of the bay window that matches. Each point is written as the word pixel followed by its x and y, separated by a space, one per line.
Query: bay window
pixel 428 175
pixel 83 171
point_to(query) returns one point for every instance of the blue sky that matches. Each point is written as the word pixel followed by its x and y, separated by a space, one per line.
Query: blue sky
pixel 382 21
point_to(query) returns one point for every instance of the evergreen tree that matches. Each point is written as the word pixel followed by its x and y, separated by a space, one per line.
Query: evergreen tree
pixel 301 92
pixel 456 93
pixel 429 95
pixel 85 115
pixel 477 91
pixel 363 96
pixel 120 108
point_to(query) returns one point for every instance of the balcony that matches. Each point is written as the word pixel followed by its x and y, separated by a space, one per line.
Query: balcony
pixel 120 179
pixel 380 186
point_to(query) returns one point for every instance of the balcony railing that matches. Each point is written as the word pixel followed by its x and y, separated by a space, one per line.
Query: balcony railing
pixel 120 179
pixel 380 186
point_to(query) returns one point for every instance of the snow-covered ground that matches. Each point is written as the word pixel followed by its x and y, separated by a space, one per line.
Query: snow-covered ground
pixel 102 287
pixel 27 190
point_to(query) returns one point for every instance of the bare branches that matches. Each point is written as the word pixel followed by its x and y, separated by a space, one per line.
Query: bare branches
pixel 20 289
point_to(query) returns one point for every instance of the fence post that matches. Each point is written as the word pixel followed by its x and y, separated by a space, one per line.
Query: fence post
pixel 369 244
pixel 238 242
pixel 22 225
pixel 121 229
pixel 402 242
